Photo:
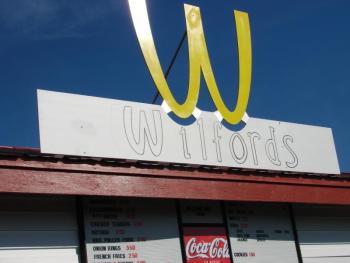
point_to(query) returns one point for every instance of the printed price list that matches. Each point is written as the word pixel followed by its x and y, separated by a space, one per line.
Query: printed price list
pixel 130 231
pixel 260 233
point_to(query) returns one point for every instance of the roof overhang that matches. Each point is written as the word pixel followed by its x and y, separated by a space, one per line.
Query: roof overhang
pixel 28 171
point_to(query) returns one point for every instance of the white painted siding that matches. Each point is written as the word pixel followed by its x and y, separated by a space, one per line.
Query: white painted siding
pixel 324 233
pixel 38 229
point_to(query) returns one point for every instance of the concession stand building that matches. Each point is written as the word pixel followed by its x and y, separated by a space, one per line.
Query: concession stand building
pixel 123 182
pixel 74 209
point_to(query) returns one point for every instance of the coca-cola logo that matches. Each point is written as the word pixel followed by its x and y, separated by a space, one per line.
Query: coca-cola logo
pixel 206 244
pixel 216 249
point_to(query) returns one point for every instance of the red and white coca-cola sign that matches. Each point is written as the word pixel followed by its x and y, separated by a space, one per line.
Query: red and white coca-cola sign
pixel 206 245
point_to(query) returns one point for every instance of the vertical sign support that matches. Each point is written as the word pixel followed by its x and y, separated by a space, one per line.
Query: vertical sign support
pixel 181 234
pixel 81 228
pixel 223 212
pixel 295 233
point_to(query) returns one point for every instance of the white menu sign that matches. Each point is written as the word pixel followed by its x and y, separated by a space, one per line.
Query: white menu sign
pixel 131 231
pixel 260 233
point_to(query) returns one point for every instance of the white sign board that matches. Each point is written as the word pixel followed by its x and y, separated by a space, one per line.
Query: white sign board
pixel 131 230
pixel 96 127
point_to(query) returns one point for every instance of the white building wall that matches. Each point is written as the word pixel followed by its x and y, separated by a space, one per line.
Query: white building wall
pixel 324 233
pixel 38 230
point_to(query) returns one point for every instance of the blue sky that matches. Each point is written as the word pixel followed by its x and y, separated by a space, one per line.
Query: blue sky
pixel 301 58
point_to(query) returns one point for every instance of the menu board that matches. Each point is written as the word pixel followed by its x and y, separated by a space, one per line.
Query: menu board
pixel 201 211
pixel 206 244
pixel 131 231
pixel 260 233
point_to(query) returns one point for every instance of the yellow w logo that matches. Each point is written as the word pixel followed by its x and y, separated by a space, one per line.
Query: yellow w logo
pixel 198 61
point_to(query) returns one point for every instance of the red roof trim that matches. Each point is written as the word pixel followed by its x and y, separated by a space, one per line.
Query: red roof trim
pixel 29 171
